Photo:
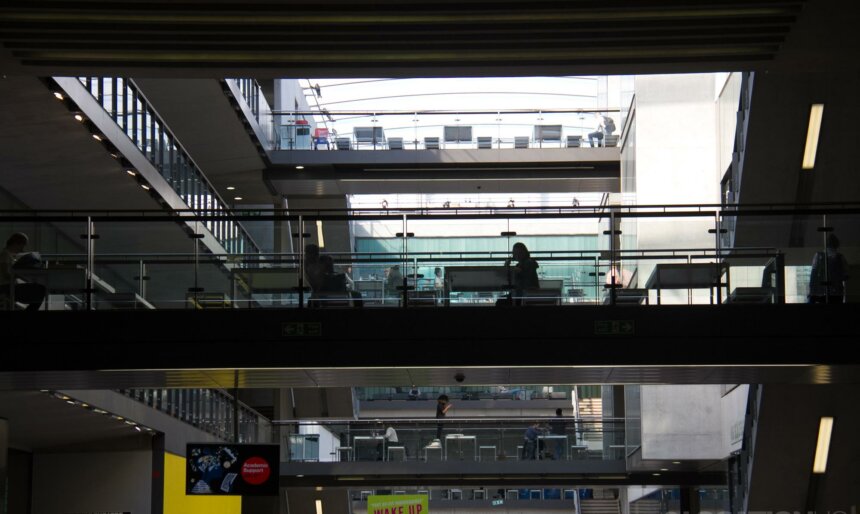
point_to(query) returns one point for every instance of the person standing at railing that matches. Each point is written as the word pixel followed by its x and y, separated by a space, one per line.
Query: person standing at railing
pixel 829 275
pixel 12 256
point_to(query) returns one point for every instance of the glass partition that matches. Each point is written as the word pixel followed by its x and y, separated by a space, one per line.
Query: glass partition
pixel 463 439
pixel 443 258
pixel 443 130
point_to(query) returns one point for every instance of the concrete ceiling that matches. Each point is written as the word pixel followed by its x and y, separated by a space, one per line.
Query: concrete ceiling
pixel 202 119
pixel 61 426
pixel 333 38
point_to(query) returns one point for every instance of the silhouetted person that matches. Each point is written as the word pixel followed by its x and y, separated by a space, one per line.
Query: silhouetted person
pixel 393 281
pixel 827 280
pixel 523 275
pixel 12 256
pixel 313 268
pixel 442 406
pixel 557 427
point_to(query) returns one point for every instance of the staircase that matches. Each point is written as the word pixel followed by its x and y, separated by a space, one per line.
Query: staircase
pixel 590 409
pixel 596 506
pixel 645 506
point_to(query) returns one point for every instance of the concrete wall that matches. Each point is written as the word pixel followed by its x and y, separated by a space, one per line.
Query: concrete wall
pixel 92 482
pixel 734 408
pixel 682 422
pixel 676 163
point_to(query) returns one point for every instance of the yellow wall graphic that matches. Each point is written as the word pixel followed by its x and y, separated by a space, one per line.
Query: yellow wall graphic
pixel 175 501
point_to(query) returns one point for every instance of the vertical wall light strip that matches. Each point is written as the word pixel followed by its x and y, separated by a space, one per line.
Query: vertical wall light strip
pixel 319 507
pixel 320 234
pixel 825 428
pixel 816 112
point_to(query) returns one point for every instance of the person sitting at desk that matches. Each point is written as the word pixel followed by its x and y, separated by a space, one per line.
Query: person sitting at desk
pixel 334 283
pixel 524 275
pixel 393 280
pixel 31 294
pixel 389 438
pixel 530 441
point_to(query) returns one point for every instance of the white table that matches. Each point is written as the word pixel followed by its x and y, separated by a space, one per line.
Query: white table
pixel 553 437
pixel 460 438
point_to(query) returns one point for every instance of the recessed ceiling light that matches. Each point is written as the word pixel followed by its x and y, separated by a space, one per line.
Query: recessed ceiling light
pixel 676 462
pixel 663 469
pixel 237 198
pixel 79 117
pixel 58 95
pixel 656 474
pixel 97 137
pixel 130 172
pixel 300 476
pixel 300 167
pixel 137 428
pixel 145 186
pixel 99 411
pixel 231 188
pixel 816 112
pixel 70 402
pixel 822 448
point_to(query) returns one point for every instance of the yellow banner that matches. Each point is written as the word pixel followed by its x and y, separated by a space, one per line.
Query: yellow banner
pixel 397 504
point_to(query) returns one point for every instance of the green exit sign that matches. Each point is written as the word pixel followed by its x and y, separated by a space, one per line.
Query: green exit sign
pixel 498 502
pixel 301 329
pixel 614 327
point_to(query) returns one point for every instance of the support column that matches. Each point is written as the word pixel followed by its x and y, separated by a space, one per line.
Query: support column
pixel 4 465
pixel 690 500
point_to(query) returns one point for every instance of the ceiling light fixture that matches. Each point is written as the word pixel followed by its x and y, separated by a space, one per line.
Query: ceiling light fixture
pixel 79 117
pixel 58 95
pixel 816 112
pixel 131 172
pixel 300 167
pixel 237 198
pixel 145 186
pixel 825 429
pixel 231 188
pixel 97 137
pixel 319 506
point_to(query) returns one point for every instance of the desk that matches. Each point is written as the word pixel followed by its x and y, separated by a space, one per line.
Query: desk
pixel 460 438
pixel 685 276
pixel 751 295
pixel 370 288
pixel 368 438
pixel 267 280
pixel 59 280
pixel 559 439
pixel 480 279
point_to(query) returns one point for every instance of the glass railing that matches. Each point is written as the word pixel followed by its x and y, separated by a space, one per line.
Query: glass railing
pixel 513 392
pixel 482 439
pixel 251 93
pixel 794 260
pixel 134 115
pixel 210 410
pixel 445 130
pixel 484 494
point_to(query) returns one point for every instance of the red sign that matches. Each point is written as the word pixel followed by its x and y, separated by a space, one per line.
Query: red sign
pixel 255 470
pixel 321 133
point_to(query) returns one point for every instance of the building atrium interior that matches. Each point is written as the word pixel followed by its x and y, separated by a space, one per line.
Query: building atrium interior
pixel 503 257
